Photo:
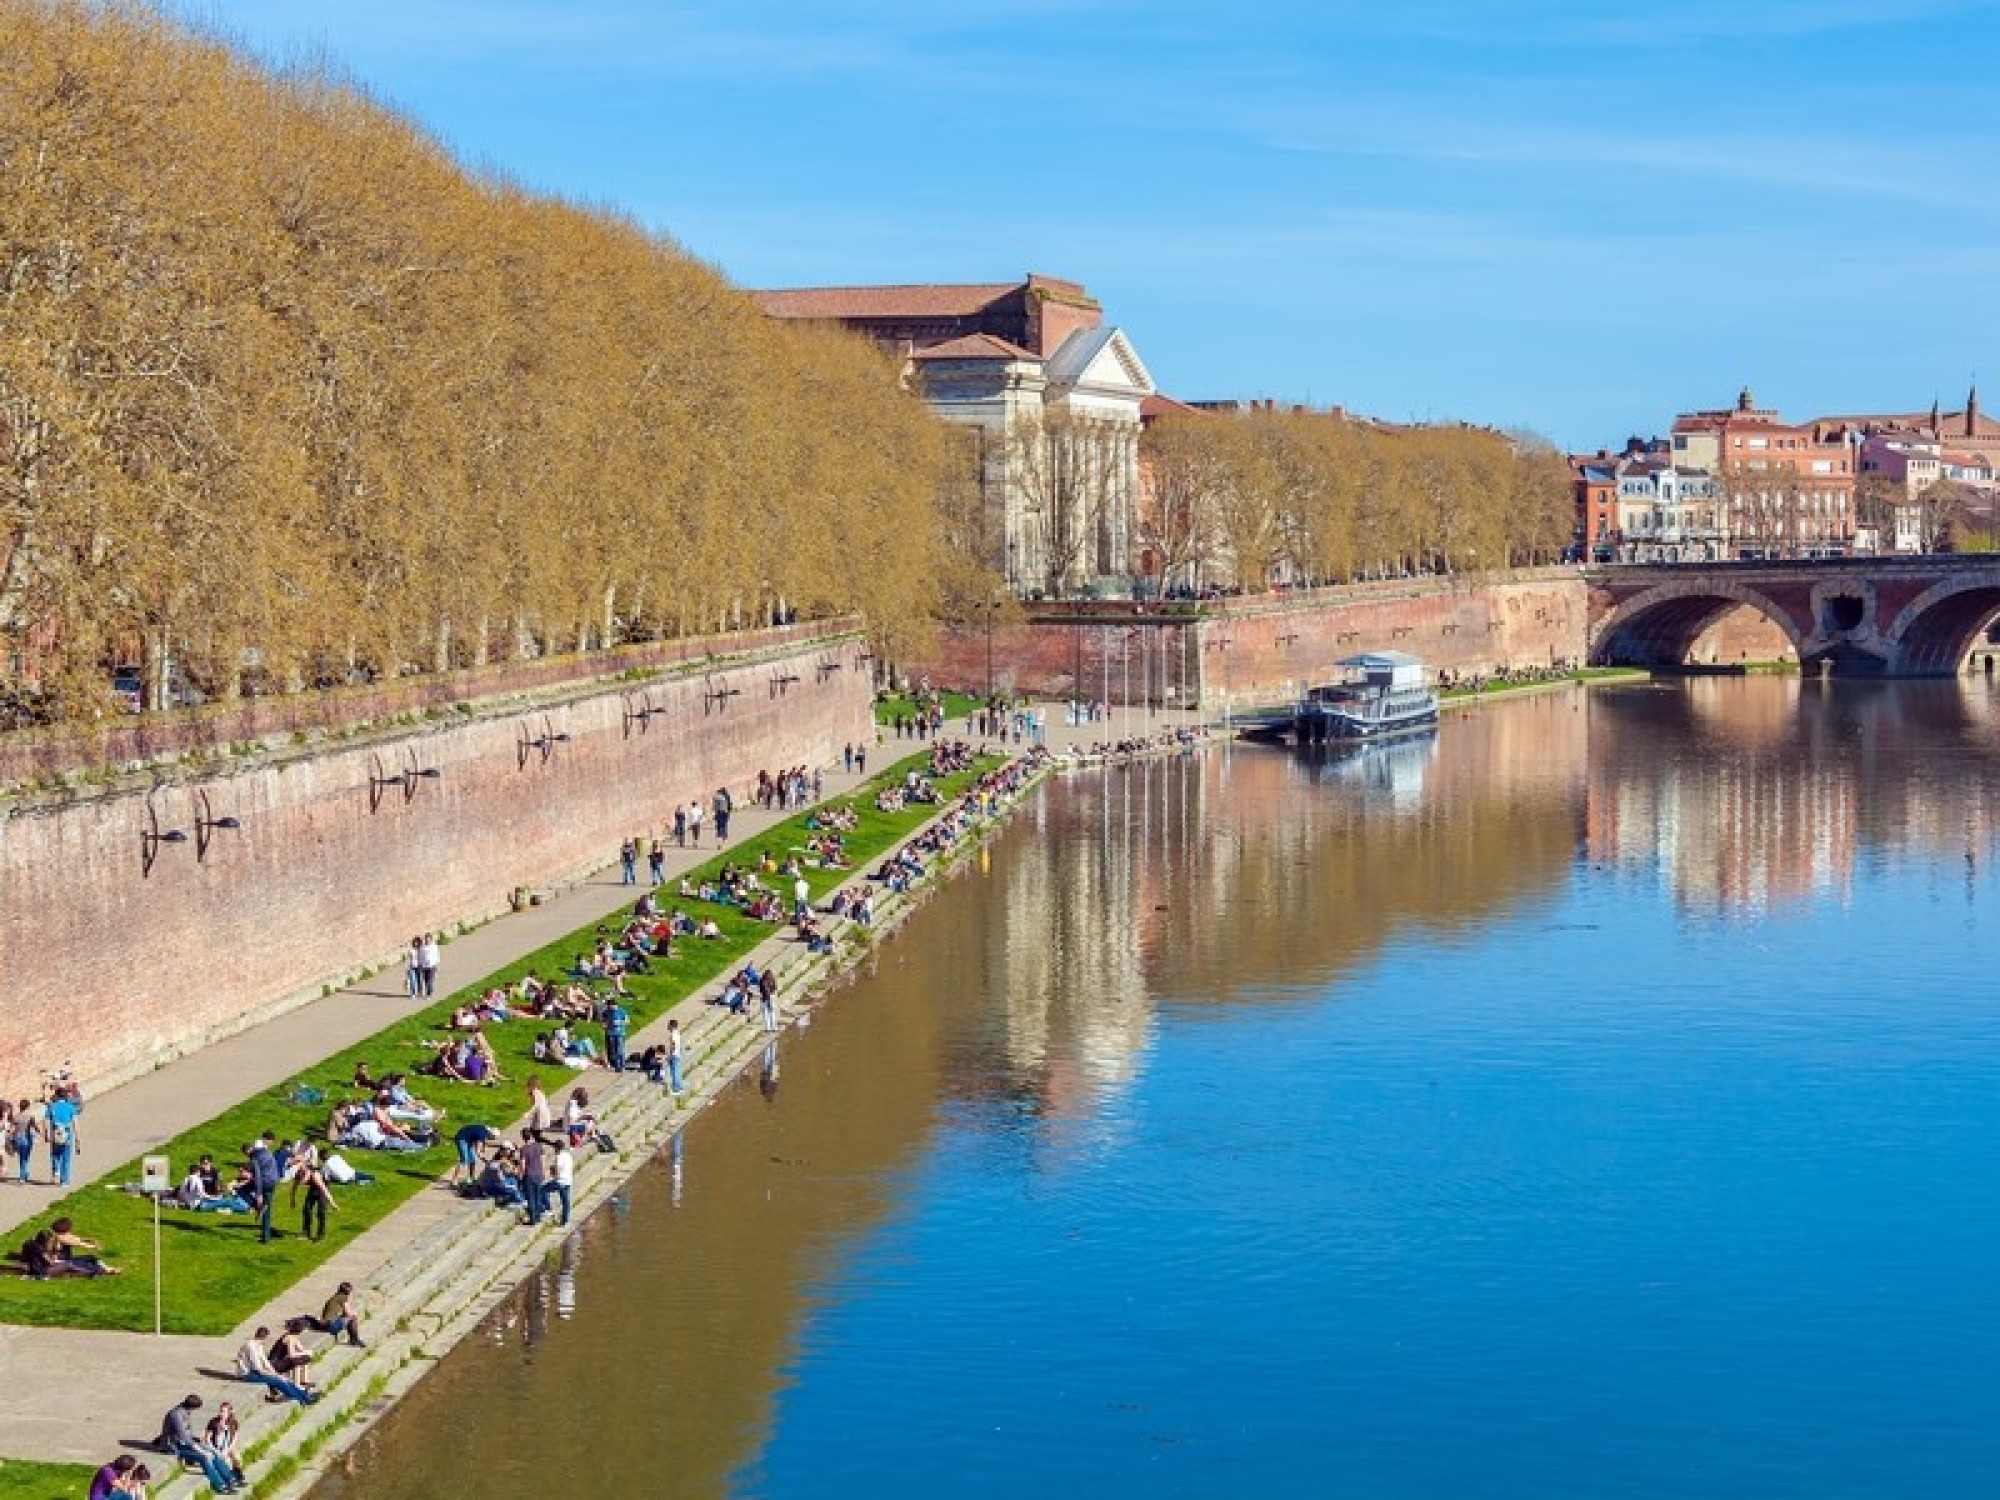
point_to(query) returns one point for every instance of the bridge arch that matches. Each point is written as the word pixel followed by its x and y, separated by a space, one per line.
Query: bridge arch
pixel 1935 630
pixel 1659 626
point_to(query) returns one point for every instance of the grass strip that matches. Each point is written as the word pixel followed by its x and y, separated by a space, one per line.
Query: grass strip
pixel 30 1479
pixel 891 706
pixel 215 1273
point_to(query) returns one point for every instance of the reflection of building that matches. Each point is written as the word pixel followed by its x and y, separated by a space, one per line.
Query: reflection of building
pixel 1052 395
pixel 1745 829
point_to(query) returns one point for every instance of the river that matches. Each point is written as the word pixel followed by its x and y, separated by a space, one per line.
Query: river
pixel 1600 1098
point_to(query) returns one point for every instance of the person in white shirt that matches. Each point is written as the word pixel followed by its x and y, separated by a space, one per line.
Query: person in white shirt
pixel 253 1363
pixel 430 960
pixel 562 1177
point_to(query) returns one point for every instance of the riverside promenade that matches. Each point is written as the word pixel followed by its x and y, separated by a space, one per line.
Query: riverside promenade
pixel 100 1393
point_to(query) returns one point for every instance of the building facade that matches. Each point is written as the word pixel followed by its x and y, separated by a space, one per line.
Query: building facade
pixel 1050 400
pixel 1785 489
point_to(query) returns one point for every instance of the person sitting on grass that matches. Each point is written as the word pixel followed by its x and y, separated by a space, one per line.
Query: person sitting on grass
pixel 194 1194
pixel 253 1363
pixel 571 1051
pixel 54 1253
pixel 114 1479
pixel 395 1097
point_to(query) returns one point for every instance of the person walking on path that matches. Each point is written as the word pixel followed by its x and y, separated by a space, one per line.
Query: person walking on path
pixel 674 1056
pixel 656 861
pixel 680 824
pixel 767 997
pixel 628 861
pixel 723 807
pixel 23 1134
pixel 432 961
pixel 413 961
pixel 694 821
pixel 59 1123
pixel 177 1436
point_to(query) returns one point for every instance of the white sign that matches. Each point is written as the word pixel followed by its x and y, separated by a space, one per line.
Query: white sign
pixel 156 1175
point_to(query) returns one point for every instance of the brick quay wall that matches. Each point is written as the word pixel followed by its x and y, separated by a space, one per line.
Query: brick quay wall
pixel 346 845
pixel 1264 649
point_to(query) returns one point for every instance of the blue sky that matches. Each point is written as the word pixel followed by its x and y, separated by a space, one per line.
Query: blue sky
pixel 1571 216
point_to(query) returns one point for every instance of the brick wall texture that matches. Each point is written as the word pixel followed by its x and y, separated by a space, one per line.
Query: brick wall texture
pixel 1265 650
pixel 116 969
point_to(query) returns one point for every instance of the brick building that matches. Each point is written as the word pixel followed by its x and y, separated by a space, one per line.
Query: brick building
pixel 1786 489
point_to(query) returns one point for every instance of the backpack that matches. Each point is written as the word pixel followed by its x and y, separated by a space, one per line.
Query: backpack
pixel 58 1135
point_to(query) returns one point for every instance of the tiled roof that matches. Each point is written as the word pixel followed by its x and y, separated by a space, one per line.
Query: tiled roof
pixel 1157 405
pixel 975 346
pixel 838 302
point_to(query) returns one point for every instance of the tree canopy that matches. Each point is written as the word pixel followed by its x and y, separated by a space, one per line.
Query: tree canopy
pixel 288 396
pixel 1316 497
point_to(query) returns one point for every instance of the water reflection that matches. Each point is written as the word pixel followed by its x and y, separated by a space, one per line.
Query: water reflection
pixel 1023 1016
pixel 1747 798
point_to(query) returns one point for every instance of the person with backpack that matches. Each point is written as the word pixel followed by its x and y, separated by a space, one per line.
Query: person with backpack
pixel 59 1121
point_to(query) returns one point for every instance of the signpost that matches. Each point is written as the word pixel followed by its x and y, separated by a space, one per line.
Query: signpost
pixel 156 1180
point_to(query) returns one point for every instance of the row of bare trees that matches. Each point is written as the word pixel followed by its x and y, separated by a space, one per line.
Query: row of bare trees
pixel 287 396
pixel 1308 497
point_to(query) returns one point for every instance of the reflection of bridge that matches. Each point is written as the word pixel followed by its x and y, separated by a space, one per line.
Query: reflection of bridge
pixel 1864 616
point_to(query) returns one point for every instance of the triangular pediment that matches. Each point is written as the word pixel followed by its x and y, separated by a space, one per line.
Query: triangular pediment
pixel 1100 360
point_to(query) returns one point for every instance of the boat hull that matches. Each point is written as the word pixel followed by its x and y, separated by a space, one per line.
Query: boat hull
pixel 1319 727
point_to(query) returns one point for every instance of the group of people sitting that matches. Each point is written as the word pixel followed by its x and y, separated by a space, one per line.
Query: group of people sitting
pixel 283 1367
pixel 382 1123
pixel 466 1058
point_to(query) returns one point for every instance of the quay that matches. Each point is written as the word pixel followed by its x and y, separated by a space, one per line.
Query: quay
pixel 435 1265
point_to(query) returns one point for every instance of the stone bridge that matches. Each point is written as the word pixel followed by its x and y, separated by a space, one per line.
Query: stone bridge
pixel 1853 617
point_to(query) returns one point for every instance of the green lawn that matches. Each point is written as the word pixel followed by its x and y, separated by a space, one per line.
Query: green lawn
pixel 1494 687
pixel 25 1479
pixel 215 1273
pixel 956 706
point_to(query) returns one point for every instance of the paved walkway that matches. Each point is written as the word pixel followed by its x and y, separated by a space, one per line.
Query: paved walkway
pixel 114 1386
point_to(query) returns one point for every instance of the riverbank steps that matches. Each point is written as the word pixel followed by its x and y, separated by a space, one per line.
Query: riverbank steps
pixel 455 1261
